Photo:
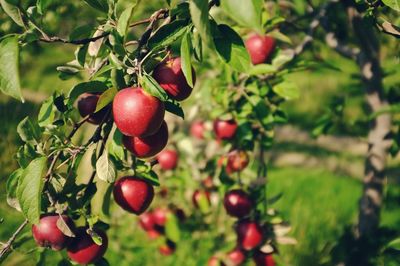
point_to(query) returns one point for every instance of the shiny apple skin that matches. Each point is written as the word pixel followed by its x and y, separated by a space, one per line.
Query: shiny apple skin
pixel 225 129
pixel 250 235
pixel 237 161
pixel 236 257
pixel 168 159
pixel 197 129
pixel 237 203
pixel 260 48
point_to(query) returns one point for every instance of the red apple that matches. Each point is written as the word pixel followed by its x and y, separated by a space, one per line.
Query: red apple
pixel 84 250
pixel 137 113
pixel 167 248
pixel 168 159
pixel 171 78
pixel 153 234
pixel 197 129
pixel 214 261
pixel 237 203
pixel 146 221
pixel 225 129
pixel 208 182
pixel 133 194
pixel 201 196
pixel 144 147
pixel 237 161
pixel 87 105
pixel 260 48
pixel 250 235
pixel 236 257
pixel 263 259
pixel 47 234
pixel 160 216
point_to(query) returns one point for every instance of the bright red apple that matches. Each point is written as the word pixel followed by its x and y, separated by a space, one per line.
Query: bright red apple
pixel 87 105
pixel 236 257
pixel 133 194
pixel 237 203
pixel 146 221
pixel 47 234
pixel 260 48
pixel 137 113
pixel 167 248
pixel 145 147
pixel 168 159
pixel 263 259
pixel 84 250
pixel 225 129
pixel 197 129
pixel 237 161
pixel 250 235
pixel 171 78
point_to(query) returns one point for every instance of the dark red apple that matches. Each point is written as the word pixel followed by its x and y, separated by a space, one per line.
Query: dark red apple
pixel 201 196
pixel 146 221
pixel 171 78
pixel 237 203
pixel 144 147
pixel 168 159
pixel 167 248
pixel 160 216
pixel 84 250
pixel 133 194
pixel 263 259
pixel 225 129
pixel 236 257
pixel 197 129
pixel 87 105
pixel 260 48
pixel 137 113
pixel 47 234
pixel 250 234
pixel 237 161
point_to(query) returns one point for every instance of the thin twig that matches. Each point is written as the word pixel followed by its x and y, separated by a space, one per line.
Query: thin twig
pixel 76 42
pixel 7 246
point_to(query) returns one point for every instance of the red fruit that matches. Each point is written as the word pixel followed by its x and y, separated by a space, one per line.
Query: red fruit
pixel 144 147
pixel 153 234
pixel 237 161
pixel 237 203
pixel 171 78
pixel 47 234
pixel 133 194
pixel 146 221
pixel 168 248
pixel 198 195
pixel 208 182
pixel 225 129
pixel 160 216
pixel 84 250
pixel 213 261
pixel 197 129
pixel 260 48
pixel 87 105
pixel 137 113
pixel 236 257
pixel 263 259
pixel 249 234
pixel 167 159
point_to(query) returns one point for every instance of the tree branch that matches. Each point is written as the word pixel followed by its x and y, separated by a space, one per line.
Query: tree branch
pixel 76 42
pixel 7 246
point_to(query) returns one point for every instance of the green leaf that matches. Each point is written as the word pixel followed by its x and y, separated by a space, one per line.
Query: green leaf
pixel 13 12
pixel 81 32
pixel 46 113
pixel 203 203
pixel 42 5
pixel 394 4
pixel 172 228
pixel 64 228
pixel 115 146
pixel 174 108
pixel 28 130
pixel 186 56
pixel 151 86
pixel 123 21
pixel 231 48
pixel 150 176
pixel 91 86
pixel 394 244
pixel 261 69
pixel 29 191
pixel 9 67
pixel 117 79
pixel 287 89
pixel 101 5
pixel 246 13
pixel 106 98
pixel 167 34
pixel 199 14
pixel 11 189
pixel 105 168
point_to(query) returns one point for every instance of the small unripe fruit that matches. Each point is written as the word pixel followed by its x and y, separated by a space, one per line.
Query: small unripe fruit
pixel 250 235
pixel 263 259
pixel 237 161
pixel 133 194
pixel 145 147
pixel 168 159
pixel 201 195
pixel 137 113
pixel 171 78
pixel 260 48
pixel 237 203
pixel 236 257
pixel 47 234
pixel 225 129
pixel 197 129
pixel 146 221
pixel 87 105
pixel 84 250
pixel 167 248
